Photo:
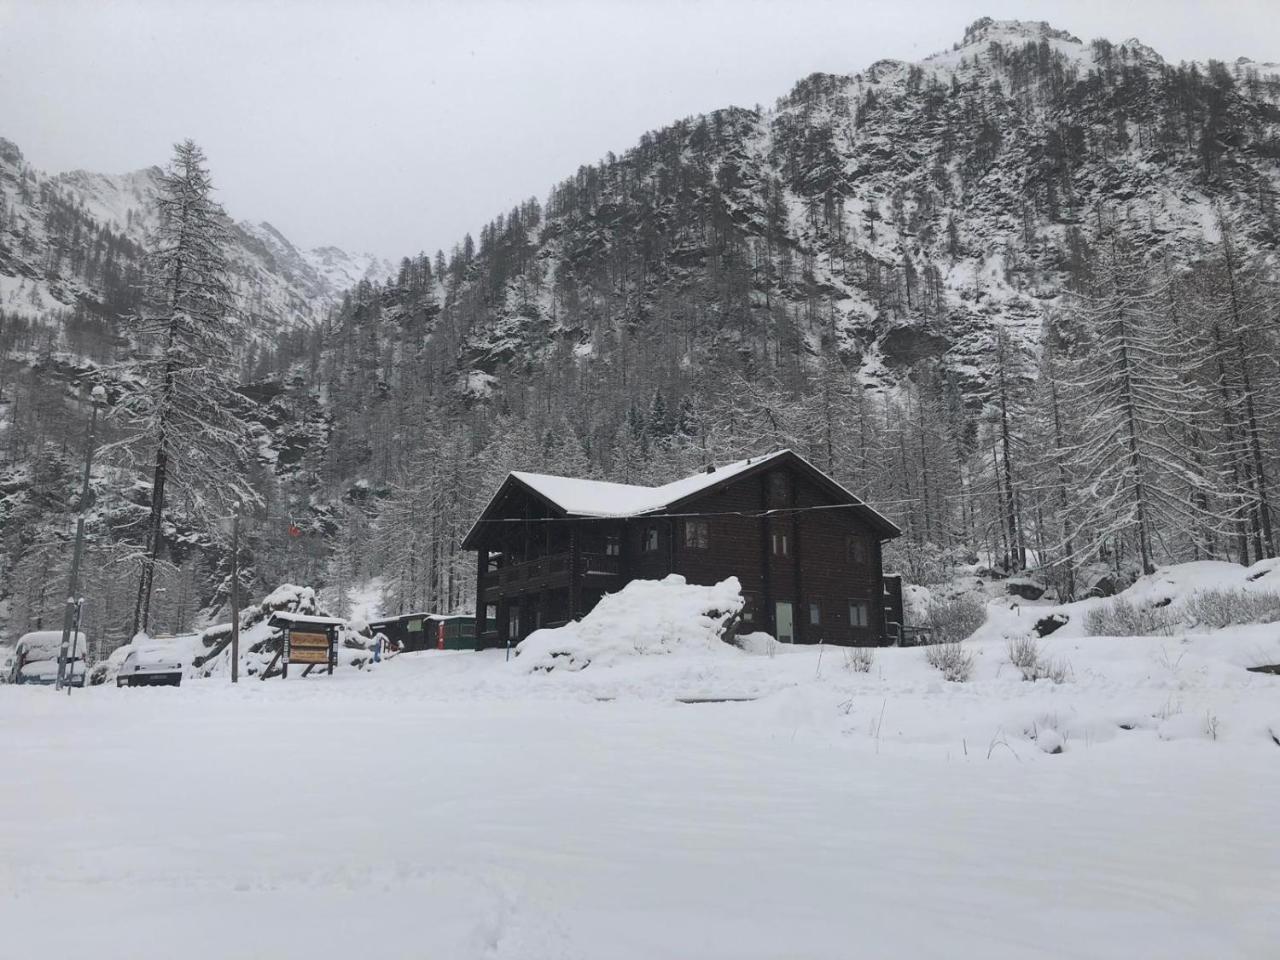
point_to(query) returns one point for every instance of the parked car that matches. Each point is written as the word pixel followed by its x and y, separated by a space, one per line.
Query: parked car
pixel 145 668
pixel 37 658
pixel 45 672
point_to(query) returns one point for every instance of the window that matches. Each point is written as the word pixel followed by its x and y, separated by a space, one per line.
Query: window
pixel 697 534
pixel 415 626
pixel 780 545
pixel 856 549
pixel 612 545
pixel 815 613
pixel 491 615
pixel 859 613
pixel 649 539
pixel 513 623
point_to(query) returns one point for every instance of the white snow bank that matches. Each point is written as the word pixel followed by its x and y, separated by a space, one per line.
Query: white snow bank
pixel 1169 591
pixel 644 617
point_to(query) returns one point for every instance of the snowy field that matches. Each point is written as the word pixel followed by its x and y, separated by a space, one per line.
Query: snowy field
pixel 451 805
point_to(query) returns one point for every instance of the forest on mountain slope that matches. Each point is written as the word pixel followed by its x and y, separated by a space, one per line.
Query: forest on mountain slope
pixel 1022 296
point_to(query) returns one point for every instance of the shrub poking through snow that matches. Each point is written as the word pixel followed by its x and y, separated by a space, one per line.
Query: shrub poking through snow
pixel 1024 653
pixel 859 659
pixel 644 617
pixel 955 619
pixel 1215 609
pixel 955 662
pixel 1059 671
pixel 1120 618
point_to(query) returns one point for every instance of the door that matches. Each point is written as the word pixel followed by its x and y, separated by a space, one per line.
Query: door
pixel 784 620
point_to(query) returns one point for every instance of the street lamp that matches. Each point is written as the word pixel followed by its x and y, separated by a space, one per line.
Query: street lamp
pixel 72 610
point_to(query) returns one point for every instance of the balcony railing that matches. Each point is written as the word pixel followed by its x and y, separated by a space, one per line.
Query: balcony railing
pixel 549 571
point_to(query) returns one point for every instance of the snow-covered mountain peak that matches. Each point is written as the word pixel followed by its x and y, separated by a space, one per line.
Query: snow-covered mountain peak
pixel 982 35
pixel 343 270
pixel 122 201
pixel 9 152
pixel 281 286
pixel 987 30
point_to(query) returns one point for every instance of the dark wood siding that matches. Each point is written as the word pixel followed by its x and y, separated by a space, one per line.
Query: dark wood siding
pixel 550 572
pixel 816 568
pixel 829 575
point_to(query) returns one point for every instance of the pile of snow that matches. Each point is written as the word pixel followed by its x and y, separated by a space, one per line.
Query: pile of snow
pixel 644 617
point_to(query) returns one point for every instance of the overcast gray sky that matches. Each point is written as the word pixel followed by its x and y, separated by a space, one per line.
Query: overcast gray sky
pixel 397 126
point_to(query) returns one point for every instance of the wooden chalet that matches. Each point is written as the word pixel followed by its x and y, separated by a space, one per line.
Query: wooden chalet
pixel 806 550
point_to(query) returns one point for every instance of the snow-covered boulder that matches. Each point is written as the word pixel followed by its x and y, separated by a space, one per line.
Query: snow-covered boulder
pixel 645 617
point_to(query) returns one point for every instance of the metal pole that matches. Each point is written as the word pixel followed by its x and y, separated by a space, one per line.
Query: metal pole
pixel 75 637
pixel 69 613
pixel 235 598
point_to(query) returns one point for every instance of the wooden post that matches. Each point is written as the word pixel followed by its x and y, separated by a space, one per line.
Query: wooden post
pixel 801 626
pixel 575 547
pixel 766 562
pixel 271 666
pixel 482 568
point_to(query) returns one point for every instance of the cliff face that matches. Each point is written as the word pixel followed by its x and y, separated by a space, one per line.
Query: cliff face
pixel 881 218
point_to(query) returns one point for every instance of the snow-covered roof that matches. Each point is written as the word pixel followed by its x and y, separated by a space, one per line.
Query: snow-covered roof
pixel 305 618
pixel 600 499
pixel 596 498
pixel 419 616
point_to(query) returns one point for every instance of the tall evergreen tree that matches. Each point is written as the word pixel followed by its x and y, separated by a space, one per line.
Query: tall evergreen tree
pixel 1129 387
pixel 179 405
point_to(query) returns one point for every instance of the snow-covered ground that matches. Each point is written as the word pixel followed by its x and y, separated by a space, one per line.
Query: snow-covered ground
pixel 453 805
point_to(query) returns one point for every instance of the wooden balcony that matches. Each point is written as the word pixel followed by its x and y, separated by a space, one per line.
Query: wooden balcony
pixel 601 565
pixel 546 573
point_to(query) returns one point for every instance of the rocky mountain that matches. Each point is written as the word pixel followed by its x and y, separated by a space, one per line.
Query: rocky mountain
pixel 73 242
pixel 863 272
pixel 884 217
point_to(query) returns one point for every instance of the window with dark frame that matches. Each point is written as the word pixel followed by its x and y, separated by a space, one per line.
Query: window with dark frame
pixel 859 613
pixel 815 613
pixel 650 541
pixel 697 534
pixel 612 545
pixel 780 548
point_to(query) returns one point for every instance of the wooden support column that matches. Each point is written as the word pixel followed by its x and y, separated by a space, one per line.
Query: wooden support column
pixel 766 562
pixel 801 625
pixel 482 567
pixel 575 569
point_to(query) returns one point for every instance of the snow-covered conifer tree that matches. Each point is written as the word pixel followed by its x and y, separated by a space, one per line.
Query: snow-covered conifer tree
pixel 1129 389
pixel 179 406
